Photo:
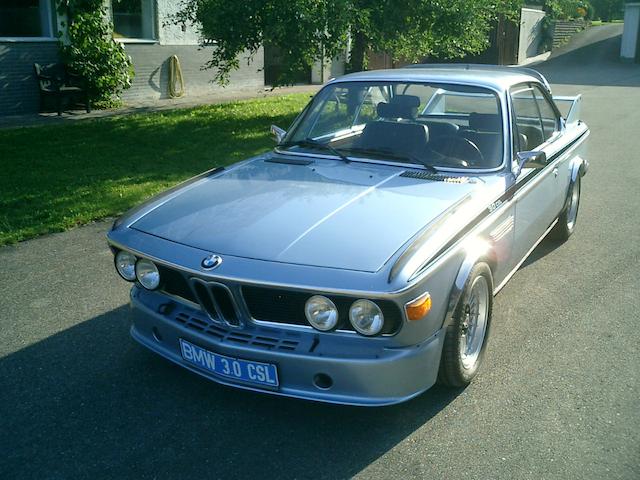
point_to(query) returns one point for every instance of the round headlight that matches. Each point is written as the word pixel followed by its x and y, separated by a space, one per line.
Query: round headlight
pixel 366 317
pixel 321 313
pixel 126 265
pixel 147 274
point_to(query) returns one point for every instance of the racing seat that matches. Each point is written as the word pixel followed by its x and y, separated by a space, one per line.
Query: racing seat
pixel 395 132
pixel 395 137
pixel 400 106
pixel 533 136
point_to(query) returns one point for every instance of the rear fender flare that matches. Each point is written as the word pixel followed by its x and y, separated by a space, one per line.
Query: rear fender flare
pixel 579 166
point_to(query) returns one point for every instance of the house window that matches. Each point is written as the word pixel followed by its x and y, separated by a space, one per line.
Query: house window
pixel 133 19
pixel 26 18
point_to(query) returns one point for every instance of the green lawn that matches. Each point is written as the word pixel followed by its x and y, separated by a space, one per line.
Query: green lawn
pixel 596 23
pixel 57 177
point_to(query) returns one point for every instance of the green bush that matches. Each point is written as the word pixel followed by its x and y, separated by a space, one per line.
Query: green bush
pixel 92 52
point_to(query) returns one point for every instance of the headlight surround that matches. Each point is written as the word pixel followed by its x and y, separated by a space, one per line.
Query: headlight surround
pixel 126 265
pixel 321 313
pixel 147 274
pixel 366 317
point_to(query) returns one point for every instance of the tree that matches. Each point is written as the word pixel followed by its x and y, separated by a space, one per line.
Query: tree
pixel 567 9
pixel 310 30
pixel 608 10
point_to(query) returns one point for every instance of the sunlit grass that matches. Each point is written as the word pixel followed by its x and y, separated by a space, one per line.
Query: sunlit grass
pixel 57 177
pixel 596 23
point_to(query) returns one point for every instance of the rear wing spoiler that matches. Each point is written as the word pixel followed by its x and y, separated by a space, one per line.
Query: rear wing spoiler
pixel 569 107
pixel 480 66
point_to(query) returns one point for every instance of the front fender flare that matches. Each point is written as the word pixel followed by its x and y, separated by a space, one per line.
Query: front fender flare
pixel 477 250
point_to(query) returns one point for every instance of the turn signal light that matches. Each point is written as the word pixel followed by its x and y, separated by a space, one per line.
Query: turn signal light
pixel 419 308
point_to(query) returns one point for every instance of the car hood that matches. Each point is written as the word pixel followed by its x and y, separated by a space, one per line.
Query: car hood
pixel 328 213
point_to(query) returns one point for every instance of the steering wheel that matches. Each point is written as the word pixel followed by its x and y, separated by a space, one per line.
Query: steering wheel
pixel 458 151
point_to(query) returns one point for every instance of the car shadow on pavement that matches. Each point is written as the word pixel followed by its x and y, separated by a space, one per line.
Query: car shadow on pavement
pixel 546 246
pixel 89 402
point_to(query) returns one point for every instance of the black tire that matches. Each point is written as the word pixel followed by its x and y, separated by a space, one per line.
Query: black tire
pixel 568 217
pixel 453 371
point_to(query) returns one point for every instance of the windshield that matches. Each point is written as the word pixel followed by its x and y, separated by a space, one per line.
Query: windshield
pixel 446 126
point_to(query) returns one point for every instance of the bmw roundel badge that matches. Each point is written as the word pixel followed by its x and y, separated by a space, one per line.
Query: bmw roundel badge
pixel 211 261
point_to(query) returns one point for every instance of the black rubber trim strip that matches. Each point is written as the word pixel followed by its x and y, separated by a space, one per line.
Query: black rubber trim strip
pixel 289 161
pixel 506 196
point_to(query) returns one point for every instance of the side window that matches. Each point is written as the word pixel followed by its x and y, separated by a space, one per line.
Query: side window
pixel 528 132
pixel 547 114
pixel 535 118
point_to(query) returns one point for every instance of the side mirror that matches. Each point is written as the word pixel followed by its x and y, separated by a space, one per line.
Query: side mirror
pixel 533 159
pixel 278 133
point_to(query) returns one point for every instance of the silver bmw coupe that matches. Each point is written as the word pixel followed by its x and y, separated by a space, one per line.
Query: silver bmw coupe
pixel 357 262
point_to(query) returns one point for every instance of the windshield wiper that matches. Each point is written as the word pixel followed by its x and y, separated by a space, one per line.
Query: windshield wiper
pixel 311 143
pixel 395 155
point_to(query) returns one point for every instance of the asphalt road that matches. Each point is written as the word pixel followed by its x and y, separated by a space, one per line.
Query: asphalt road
pixel 557 397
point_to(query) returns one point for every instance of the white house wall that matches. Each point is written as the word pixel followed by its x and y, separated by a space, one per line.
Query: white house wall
pixel 151 61
pixel 530 33
pixel 170 33
pixel 631 31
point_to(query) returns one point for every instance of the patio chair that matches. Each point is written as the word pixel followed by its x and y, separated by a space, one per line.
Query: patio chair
pixel 57 83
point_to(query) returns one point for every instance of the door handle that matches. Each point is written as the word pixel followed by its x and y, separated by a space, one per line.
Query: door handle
pixel 555 172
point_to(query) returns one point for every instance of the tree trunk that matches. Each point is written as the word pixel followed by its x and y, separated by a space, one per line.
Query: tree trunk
pixel 357 57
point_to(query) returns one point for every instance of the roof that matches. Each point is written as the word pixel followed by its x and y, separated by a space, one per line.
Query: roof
pixel 491 76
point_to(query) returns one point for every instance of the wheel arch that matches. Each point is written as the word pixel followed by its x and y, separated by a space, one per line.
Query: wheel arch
pixel 477 250
pixel 579 167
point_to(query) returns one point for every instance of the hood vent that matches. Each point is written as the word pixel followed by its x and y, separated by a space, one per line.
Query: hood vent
pixel 435 177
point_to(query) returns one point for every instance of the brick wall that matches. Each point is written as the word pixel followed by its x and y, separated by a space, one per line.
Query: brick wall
pixel 18 87
pixel 151 64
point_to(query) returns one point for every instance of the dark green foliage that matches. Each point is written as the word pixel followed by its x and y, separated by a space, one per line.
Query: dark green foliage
pixel 608 10
pixel 92 52
pixel 309 30
pixel 567 9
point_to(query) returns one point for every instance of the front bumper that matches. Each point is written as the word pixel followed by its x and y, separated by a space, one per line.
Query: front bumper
pixel 363 371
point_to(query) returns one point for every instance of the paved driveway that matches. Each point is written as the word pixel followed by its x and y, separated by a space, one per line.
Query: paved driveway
pixel 558 397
